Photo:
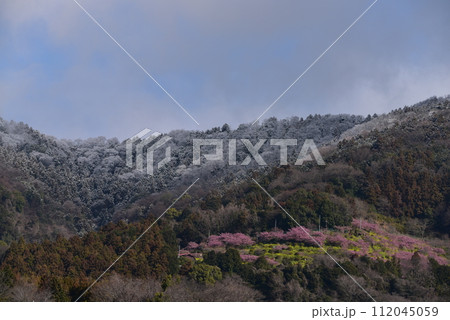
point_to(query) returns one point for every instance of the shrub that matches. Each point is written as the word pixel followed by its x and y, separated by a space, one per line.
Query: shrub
pixel 206 274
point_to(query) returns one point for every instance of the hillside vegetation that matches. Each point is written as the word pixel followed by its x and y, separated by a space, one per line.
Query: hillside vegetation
pixel 380 207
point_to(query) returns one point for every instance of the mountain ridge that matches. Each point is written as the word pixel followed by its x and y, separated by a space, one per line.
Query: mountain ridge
pixel 84 183
pixel 380 206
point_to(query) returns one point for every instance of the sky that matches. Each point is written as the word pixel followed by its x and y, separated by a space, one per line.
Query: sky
pixel 223 61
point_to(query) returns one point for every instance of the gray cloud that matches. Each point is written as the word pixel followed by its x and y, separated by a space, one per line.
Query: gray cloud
pixel 225 61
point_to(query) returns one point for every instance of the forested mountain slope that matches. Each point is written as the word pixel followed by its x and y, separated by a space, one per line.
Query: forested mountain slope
pixel 380 205
pixel 75 186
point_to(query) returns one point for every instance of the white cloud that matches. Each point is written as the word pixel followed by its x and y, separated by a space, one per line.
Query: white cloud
pixel 225 61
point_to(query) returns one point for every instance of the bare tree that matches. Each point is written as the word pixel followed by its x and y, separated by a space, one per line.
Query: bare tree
pixel 231 288
pixel 28 292
pixel 119 288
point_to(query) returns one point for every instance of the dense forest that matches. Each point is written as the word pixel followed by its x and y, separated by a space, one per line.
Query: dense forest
pixel 380 206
